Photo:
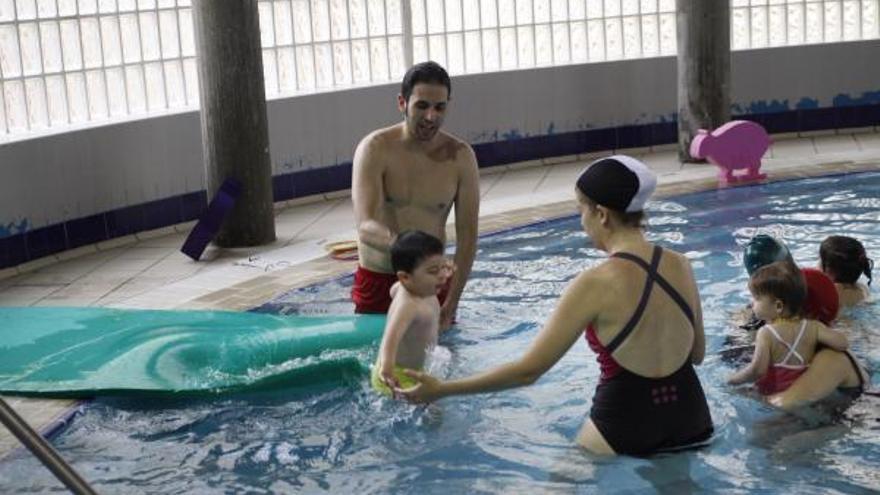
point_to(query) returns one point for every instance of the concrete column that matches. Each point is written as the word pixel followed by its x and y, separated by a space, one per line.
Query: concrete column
pixel 703 68
pixel 406 24
pixel 235 132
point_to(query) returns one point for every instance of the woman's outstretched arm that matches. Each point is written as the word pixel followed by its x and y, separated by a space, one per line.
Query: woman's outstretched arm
pixel 577 307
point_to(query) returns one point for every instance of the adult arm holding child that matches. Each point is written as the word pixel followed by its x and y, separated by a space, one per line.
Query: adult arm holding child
pixel 831 338
pixel 830 370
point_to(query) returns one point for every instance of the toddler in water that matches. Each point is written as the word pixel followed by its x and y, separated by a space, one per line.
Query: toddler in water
pixel 844 260
pixel 414 315
pixel 784 346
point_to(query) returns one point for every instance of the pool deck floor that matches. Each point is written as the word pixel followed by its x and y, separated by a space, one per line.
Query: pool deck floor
pixel 147 270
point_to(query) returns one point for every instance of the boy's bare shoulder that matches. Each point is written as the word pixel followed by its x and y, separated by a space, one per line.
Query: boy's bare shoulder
pixel 413 308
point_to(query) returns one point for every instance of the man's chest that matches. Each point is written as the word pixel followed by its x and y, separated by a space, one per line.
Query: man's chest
pixel 430 186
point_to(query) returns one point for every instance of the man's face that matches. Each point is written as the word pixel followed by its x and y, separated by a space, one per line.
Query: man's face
pixel 425 110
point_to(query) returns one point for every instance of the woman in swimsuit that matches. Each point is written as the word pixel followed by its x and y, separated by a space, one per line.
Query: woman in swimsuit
pixel 786 344
pixel 844 260
pixel 830 370
pixel 639 311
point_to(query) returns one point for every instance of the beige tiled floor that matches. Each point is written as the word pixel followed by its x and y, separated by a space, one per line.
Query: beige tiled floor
pixel 867 141
pixel 792 148
pixel 835 144
pixel 148 271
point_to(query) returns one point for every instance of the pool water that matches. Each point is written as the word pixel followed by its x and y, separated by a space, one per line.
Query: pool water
pixel 342 438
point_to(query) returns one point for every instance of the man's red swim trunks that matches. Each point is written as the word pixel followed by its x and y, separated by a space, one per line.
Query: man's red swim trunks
pixel 371 292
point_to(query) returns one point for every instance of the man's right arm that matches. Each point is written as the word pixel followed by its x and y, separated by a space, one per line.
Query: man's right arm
pixel 367 195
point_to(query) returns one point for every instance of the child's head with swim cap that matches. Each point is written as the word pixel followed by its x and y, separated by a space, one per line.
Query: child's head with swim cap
pixel 823 301
pixel 762 250
pixel 844 259
pixel 417 259
pixel 781 286
pixel 621 184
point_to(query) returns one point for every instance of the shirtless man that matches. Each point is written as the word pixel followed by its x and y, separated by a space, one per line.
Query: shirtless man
pixel 408 177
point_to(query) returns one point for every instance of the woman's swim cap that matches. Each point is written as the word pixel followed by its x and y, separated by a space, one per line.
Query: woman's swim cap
pixel 822 301
pixel 762 250
pixel 619 182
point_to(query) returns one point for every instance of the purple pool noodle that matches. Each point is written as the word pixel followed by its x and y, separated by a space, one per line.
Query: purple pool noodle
pixel 209 223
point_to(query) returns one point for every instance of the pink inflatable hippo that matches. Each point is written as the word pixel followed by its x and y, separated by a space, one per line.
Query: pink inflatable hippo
pixel 736 145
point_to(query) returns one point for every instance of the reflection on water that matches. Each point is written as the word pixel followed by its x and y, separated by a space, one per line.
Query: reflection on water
pixel 345 439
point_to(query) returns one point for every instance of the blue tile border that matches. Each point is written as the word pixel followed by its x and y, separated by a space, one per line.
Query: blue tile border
pixel 13 251
pixel 20 248
pixel 316 180
pixel 163 212
pixel 125 221
pixel 192 205
pixel 45 241
pixel 816 119
pixel 86 230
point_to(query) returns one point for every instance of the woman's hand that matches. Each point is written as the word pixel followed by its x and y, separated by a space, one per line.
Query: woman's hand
pixel 388 378
pixel 427 390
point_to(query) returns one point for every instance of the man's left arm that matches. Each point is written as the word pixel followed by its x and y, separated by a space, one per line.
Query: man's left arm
pixel 467 211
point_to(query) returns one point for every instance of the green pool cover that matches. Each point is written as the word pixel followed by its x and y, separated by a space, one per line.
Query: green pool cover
pixel 84 352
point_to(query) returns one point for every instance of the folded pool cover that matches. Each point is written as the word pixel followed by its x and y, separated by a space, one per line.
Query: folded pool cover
pixel 84 352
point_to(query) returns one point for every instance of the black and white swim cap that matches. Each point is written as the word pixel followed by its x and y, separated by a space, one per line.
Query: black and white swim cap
pixel 619 182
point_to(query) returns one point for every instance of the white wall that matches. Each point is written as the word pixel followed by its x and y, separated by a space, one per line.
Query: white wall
pixel 52 179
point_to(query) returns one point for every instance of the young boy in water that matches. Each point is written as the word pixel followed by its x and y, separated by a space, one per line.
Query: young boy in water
pixel 785 346
pixel 414 316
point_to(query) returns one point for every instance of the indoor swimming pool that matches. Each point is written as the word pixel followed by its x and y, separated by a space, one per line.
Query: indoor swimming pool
pixel 338 436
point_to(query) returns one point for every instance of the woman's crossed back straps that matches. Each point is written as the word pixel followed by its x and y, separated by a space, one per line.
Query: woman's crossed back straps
pixel 653 277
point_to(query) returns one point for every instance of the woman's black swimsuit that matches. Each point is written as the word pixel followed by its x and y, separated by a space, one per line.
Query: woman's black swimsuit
pixel 641 416
pixel 854 392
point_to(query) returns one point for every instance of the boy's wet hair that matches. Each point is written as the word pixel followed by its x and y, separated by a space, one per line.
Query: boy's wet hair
pixel 411 248
pixel 425 72
pixel 784 281
pixel 844 259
